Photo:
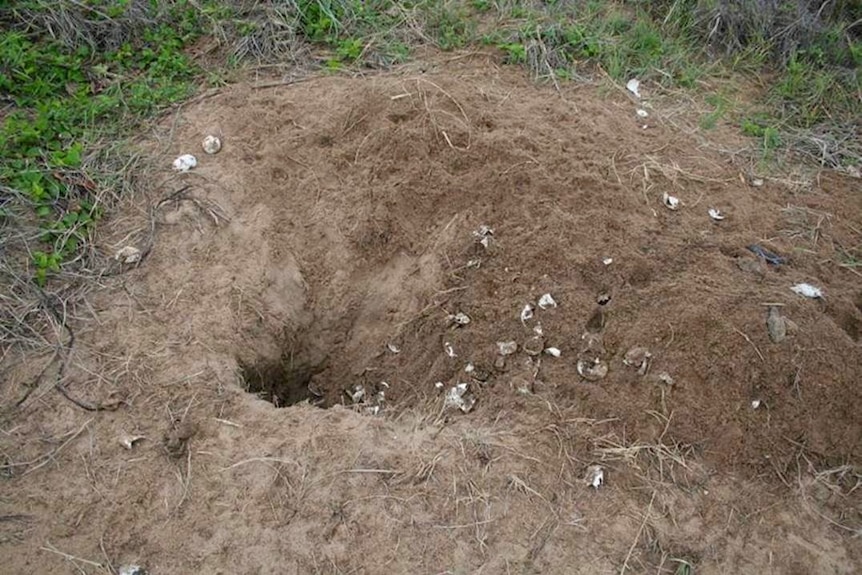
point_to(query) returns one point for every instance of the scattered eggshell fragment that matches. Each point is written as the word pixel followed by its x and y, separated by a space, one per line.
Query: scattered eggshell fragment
pixel 475 264
pixel 670 202
pixel 755 404
pixel 638 357
pixel 538 330
pixel 521 385
pixel 808 290
pixel 633 86
pixel 469 367
pixel 211 144
pixel 129 441
pixel 665 378
pixel 132 570
pixel 553 351
pixel 128 255
pixel 527 313
pixel 595 476
pixel 356 393
pixel 393 348
pixel 608 261
pixel 547 301
pixel 459 397
pixel 484 233
pixel 185 163
pixel 507 347
pixel 460 318
pixel 642 113
pixel 438 385
pixel 450 351
pixel 715 214
pixel 592 370
pixel 534 345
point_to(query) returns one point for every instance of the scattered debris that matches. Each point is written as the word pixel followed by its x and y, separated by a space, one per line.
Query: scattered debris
pixel 185 163
pixel 608 261
pixel 460 318
pixel 776 325
pixel 393 348
pixel 132 570
pixel 755 404
pixel 129 441
pixel 500 363
pixel 484 233
pixel 756 182
pixel 534 345
pixel 507 347
pixel 767 255
pixel 438 385
pixel 356 393
pixel 475 264
pixel 460 397
pixel 638 357
pixel 595 476
pixel 592 370
pixel 665 378
pixel 642 113
pixel 521 385
pixel 670 202
pixel 603 299
pixel 547 301
pixel 469 367
pixel 633 86
pixel 212 144
pixel 808 291
pixel 553 351
pixel 128 255
pixel 450 351
pixel 480 374
pixel 527 313
pixel 537 329
pixel 715 214
pixel 596 323
pixel 593 343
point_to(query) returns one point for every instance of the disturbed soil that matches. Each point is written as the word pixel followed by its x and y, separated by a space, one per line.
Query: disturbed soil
pixel 285 347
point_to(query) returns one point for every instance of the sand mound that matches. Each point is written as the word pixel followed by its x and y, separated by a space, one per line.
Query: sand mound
pixel 322 257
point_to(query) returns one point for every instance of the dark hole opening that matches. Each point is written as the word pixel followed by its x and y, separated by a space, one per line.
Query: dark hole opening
pixel 282 383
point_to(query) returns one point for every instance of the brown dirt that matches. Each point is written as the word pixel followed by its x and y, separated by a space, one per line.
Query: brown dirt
pixel 337 220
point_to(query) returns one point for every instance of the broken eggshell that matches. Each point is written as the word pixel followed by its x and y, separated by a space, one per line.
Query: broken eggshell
pixel 633 86
pixel 459 397
pixel 185 163
pixel 808 290
pixel 670 202
pixel 450 351
pixel 129 441
pixel 211 144
pixel 460 318
pixel 592 370
pixel 527 313
pixel 553 351
pixel 638 357
pixel 534 345
pixel 128 255
pixel 715 214
pixel 507 347
pixel 547 301
pixel 595 476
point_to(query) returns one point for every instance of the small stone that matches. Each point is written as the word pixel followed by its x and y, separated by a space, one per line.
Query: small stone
pixel 776 325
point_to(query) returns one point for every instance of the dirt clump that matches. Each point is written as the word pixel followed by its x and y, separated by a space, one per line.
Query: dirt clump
pixel 326 250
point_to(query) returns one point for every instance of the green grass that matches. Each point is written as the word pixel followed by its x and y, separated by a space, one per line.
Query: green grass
pixel 63 103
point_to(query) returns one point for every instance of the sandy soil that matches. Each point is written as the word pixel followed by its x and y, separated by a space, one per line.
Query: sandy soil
pixel 321 258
